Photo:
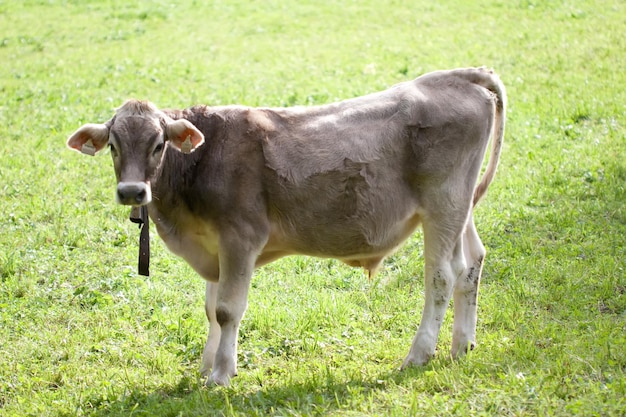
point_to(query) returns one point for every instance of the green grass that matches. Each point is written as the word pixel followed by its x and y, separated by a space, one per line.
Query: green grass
pixel 82 334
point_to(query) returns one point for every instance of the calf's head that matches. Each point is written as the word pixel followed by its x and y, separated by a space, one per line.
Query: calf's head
pixel 137 136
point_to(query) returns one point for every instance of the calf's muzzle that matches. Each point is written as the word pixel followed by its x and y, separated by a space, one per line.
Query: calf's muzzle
pixel 133 193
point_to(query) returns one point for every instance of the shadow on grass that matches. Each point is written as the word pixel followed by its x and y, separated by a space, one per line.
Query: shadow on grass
pixel 318 395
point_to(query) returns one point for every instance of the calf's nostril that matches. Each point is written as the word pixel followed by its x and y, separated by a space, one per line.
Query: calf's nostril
pixel 141 195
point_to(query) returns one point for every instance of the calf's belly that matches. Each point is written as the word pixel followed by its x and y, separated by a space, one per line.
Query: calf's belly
pixel 358 243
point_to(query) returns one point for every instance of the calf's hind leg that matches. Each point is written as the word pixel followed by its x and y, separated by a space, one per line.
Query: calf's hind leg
pixel 466 292
pixel 444 262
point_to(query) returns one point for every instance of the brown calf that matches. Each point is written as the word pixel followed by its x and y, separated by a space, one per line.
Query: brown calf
pixel 232 188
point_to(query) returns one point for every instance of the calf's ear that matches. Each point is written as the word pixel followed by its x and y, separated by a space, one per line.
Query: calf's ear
pixel 183 135
pixel 89 139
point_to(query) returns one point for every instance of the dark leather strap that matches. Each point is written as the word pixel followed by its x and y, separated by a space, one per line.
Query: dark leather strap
pixel 140 215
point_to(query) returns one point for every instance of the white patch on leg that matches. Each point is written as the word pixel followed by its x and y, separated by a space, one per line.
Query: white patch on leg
pixel 213 340
pixel 225 364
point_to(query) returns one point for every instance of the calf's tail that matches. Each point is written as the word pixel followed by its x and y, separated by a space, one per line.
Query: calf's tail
pixel 488 79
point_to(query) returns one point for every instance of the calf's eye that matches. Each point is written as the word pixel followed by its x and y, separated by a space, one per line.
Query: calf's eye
pixel 158 148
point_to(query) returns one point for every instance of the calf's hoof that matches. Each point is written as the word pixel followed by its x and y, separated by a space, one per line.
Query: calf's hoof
pixel 416 360
pixel 460 349
pixel 221 379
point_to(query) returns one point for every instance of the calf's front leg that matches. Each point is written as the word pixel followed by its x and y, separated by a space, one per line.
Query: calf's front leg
pixel 230 305
pixel 213 340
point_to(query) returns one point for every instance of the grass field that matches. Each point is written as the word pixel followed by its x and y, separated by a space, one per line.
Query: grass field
pixel 81 334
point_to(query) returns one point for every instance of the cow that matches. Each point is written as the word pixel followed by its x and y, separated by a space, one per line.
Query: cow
pixel 231 188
